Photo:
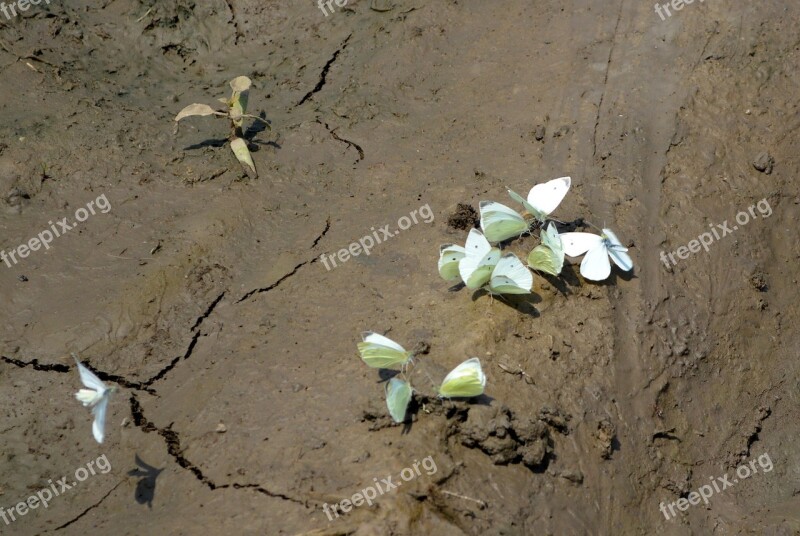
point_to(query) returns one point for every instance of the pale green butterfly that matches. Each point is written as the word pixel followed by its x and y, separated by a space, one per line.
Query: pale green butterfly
pixel 544 198
pixel 465 380
pixel 500 222
pixel 479 260
pixel 378 351
pixel 449 257
pixel 510 276
pixel 398 395
pixel 548 257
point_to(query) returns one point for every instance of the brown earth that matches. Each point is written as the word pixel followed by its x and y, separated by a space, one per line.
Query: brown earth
pixel 201 293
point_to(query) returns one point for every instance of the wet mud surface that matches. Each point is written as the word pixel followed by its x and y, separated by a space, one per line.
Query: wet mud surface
pixel 243 406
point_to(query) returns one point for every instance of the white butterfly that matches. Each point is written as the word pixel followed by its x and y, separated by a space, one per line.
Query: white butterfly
pixel 595 265
pixel 500 222
pixel 479 260
pixel 544 198
pixel 96 397
pixel 449 257
pixel 510 276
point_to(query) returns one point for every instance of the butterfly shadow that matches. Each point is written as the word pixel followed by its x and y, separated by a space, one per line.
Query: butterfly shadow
pixel 613 279
pixel 249 135
pixel 569 226
pixel 566 279
pixel 523 303
pixel 146 486
pixel 387 374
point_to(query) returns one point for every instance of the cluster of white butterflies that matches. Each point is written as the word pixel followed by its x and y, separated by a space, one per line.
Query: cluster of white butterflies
pixel 479 265
pixel 377 351
pixel 96 397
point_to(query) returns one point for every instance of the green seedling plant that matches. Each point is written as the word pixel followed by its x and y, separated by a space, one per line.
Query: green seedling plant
pixel 235 110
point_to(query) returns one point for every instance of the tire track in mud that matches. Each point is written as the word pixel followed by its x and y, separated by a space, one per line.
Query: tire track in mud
pixel 640 159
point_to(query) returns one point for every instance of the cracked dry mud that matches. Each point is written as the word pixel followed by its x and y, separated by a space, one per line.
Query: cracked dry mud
pixel 199 293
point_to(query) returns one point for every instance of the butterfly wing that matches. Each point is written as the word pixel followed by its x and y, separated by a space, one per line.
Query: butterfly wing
pixel 449 257
pixel 544 259
pixel 398 395
pixel 482 272
pixel 617 251
pixel 510 276
pixel 576 244
pixel 99 424
pixel 466 380
pixel 549 256
pixel 479 260
pixel 500 222
pixel 88 397
pixel 378 351
pixel 521 200
pixel 545 198
pixel 595 265
pixel 89 379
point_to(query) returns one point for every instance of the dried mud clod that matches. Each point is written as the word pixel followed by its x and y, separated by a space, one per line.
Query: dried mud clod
pixel 464 218
pixel 759 281
pixel 764 162
pixel 504 436
pixel 605 435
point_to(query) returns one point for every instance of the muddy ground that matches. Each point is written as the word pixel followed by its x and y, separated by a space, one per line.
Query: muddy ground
pixel 200 293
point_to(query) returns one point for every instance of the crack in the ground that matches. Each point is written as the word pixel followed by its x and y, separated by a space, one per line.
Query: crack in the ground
pixel 35 364
pixel 95 505
pixel 324 74
pixel 175 450
pixel 57 367
pixel 238 33
pixel 349 143
pixel 278 282
pixel 120 380
pixel 323 233
pixel 186 355
pixel 209 310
